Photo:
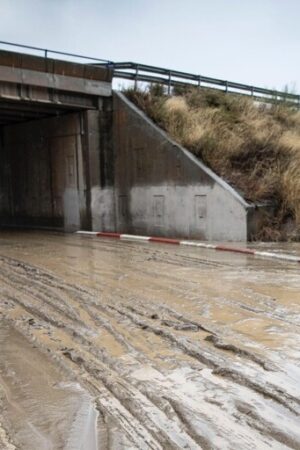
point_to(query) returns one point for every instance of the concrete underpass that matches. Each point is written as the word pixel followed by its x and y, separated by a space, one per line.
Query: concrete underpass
pixel 76 155
pixel 49 129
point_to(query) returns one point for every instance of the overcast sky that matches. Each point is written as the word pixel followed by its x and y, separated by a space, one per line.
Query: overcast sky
pixel 249 41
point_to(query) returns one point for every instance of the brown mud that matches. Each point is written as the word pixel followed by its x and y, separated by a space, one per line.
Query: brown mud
pixel 111 345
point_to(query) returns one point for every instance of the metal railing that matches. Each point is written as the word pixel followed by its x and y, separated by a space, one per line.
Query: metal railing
pixel 46 52
pixel 170 78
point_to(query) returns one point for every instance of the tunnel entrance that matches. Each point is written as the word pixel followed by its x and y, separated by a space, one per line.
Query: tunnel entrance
pixel 51 125
pixel 40 154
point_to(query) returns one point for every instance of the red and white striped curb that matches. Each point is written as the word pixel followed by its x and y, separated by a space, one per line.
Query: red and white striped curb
pixel 223 248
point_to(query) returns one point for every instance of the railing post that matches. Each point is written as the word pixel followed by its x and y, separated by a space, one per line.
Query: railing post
pixel 169 83
pixel 226 86
pixel 46 53
pixel 199 81
pixel 136 77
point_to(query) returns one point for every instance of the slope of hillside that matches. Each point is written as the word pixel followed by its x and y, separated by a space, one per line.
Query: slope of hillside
pixel 254 147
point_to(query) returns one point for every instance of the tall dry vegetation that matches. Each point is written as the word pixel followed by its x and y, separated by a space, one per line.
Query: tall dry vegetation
pixel 255 147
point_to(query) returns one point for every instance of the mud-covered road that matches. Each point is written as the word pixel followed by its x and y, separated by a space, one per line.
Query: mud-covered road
pixel 116 345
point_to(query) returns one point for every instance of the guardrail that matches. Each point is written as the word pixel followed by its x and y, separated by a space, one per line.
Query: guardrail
pixel 46 52
pixel 170 78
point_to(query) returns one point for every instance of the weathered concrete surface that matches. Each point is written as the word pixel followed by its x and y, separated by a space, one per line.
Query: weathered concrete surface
pixel 40 77
pixel 51 130
pixel 162 189
pixel 176 347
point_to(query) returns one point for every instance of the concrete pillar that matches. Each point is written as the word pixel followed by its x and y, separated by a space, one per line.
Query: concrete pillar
pixel 99 167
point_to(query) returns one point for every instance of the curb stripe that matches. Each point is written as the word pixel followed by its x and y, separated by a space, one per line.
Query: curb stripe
pixel 132 237
pixel 197 244
pixel 87 232
pixel 247 251
pixel 223 248
pixel 164 240
pixel 110 235
pixel 278 256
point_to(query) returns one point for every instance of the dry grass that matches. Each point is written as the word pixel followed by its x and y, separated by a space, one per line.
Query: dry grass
pixel 256 148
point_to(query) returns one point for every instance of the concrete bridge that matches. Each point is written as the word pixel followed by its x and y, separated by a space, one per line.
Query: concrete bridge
pixel 74 155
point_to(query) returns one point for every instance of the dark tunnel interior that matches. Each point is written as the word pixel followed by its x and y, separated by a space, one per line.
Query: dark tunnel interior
pixel 38 164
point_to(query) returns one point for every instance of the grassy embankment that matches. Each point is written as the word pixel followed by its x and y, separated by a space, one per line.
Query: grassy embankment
pixel 254 147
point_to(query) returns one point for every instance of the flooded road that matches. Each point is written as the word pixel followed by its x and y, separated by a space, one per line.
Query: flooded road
pixel 117 345
pixel 42 407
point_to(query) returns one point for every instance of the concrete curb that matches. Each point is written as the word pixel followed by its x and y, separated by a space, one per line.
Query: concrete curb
pixel 223 248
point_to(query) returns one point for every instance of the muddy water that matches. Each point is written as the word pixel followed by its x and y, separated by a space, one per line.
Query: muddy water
pixel 176 347
pixel 41 408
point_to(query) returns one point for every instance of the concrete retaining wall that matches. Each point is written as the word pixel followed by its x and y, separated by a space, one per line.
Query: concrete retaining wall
pixel 162 189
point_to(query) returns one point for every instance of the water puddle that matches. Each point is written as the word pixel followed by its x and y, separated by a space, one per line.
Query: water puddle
pixel 41 409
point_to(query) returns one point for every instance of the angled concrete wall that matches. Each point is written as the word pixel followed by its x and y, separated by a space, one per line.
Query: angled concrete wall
pixel 162 189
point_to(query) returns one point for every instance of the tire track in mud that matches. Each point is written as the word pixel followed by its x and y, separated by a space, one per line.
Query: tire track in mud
pixel 216 362
pixel 268 309
pixel 79 311
pixel 162 256
pixel 186 324
pixel 111 381
pixel 154 252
